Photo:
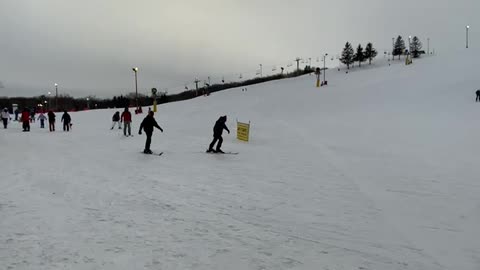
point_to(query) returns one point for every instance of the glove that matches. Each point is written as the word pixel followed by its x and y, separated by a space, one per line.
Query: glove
pixel 229 132
pixel 161 130
pixel 139 132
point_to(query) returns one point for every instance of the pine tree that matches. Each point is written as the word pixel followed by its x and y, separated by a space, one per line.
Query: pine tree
pixel 359 56
pixel 370 53
pixel 416 47
pixel 347 55
pixel 399 47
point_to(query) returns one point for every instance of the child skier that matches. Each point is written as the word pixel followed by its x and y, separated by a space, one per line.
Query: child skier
pixel 217 135
pixel 147 125
pixel 127 121
pixel 116 120
pixel 42 119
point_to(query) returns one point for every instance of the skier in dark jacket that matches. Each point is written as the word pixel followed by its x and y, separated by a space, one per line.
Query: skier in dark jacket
pixel 51 120
pixel 217 134
pixel 147 125
pixel 66 119
pixel 116 120
pixel 478 96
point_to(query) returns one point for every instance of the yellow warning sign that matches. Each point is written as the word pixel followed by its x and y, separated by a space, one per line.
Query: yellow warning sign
pixel 243 131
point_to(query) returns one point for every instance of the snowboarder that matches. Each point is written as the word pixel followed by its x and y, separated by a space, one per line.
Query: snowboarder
pixel 478 95
pixel 42 119
pixel 26 120
pixel 217 134
pixel 127 120
pixel 116 120
pixel 51 120
pixel 66 119
pixel 5 117
pixel 147 125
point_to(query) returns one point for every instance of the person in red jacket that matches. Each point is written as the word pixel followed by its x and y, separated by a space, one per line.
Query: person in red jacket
pixel 26 120
pixel 127 120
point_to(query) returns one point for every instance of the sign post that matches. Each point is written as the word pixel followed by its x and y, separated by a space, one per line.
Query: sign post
pixel 243 131
pixel 318 72
pixel 154 96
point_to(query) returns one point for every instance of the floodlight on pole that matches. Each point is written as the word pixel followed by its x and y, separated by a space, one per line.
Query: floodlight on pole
pixel 56 96
pixel 467 27
pixel 324 68
pixel 135 70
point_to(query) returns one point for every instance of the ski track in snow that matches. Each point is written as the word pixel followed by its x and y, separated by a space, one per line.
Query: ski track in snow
pixel 379 170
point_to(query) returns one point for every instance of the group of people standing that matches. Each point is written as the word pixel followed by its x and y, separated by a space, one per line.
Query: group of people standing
pixel 148 124
pixel 26 118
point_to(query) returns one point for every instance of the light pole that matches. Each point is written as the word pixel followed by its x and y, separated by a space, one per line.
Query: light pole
pixel 409 46
pixel 135 70
pixel 56 96
pixel 393 48
pixel 49 99
pixel 468 27
pixel 324 68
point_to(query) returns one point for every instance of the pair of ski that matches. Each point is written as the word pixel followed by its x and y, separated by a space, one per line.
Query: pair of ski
pixel 153 154
pixel 221 153
pixel 216 153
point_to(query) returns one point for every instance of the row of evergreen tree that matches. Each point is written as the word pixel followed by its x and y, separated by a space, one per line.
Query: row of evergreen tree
pixel 415 49
pixel 349 57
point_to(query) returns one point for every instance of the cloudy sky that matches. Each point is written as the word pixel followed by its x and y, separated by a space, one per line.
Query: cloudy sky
pixel 89 46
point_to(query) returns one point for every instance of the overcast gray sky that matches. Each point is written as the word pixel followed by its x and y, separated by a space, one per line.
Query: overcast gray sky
pixel 90 46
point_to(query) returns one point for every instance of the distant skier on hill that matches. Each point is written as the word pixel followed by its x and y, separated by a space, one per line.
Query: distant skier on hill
pixel 116 120
pixel 51 120
pixel 127 120
pixel 478 96
pixel 147 125
pixel 66 119
pixel 217 135
pixel 5 117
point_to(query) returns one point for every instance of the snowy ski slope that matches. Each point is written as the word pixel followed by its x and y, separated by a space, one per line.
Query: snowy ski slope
pixel 379 170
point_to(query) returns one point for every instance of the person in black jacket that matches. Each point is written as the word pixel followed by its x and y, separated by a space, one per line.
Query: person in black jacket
pixel 147 125
pixel 217 134
pixel 116 120
pixel 51 120
pixel 66 119
pixel 478 96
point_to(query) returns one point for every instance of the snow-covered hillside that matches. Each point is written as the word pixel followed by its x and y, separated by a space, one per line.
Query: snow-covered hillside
pixel 379 170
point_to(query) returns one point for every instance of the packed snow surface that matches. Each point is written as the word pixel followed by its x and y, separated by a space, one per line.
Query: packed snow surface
pixel 378 170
